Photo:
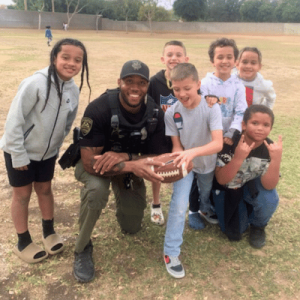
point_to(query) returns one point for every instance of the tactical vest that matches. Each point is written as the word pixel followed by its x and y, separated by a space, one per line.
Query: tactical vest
pixel 127 137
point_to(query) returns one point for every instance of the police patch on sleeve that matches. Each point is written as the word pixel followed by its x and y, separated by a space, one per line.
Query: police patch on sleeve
pixel 86 125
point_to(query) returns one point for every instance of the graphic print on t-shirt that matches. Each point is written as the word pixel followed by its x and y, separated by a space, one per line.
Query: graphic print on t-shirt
pixel 178 120
pixel 249 95
pixel 167 100
pixel 255 165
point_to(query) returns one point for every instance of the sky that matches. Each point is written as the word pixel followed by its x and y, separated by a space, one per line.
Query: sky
pixel 165 3
pixel 6 2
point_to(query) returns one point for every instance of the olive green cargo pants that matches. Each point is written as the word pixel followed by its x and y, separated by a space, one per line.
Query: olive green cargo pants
pixel 130 203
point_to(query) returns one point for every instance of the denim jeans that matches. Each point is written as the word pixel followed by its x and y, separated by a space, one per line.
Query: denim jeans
pixel 178 207
pixel 200 192
pixel 264 206
pixel 205 182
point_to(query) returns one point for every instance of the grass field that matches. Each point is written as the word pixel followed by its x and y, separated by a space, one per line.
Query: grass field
pixel 131 267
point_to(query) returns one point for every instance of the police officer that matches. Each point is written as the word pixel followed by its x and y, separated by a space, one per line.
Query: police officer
pixel 120 130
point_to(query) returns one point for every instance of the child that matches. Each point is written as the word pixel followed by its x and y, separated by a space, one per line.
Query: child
pixel 48 34
pixel 40 117
pixel 231 94
pixel 258 90
pixel 247 173
pixel 196 133
pixel 160 89
pixel 65 26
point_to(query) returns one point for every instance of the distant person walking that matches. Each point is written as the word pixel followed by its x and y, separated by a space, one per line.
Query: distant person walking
pixel 65 26
pixel 48 34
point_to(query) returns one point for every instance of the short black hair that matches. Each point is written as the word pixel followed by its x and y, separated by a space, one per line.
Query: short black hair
pixel 251 49
pixel 258 108
pixel 222 42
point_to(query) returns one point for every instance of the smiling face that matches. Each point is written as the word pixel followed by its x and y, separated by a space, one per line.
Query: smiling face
pixel 224 61
pixel 173 55
pixel 133 91
pixel 248 65
pixel 68 62
pixel 257 128
pixel 186 91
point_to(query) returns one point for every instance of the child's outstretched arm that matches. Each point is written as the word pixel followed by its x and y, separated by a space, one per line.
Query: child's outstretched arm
pixel 211 100
pixel 270 95
pixel 212 147
pixel 240 105
pixel 228 172
pixel 270 179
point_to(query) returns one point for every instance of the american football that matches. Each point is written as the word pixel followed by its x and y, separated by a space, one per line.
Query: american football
pixel 169 171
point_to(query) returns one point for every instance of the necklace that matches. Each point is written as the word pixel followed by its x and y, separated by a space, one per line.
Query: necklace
pixel 169 83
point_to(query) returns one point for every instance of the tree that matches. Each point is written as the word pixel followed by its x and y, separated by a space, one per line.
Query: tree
pixel 266 12
pixel 190 10
pixel 162 15
pixel 53 9
pixel 100 7
pixel 147 10
pixel 249 10
pixel 232 10
pixel 289 11
pixel 25 4
pixel 76 10
pixel 38 5
pixel 127 9
pixel 19 5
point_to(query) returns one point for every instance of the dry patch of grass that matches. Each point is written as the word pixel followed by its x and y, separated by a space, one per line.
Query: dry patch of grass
pixel 131 267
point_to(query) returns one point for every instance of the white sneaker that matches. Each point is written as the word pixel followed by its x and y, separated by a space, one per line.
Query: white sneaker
pixel 157 216
pixel 174 266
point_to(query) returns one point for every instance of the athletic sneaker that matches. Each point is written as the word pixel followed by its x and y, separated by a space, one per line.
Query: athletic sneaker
pixel 157 216
pixel 257 236
pixel 174 266
pixel 209 217
pixel 83 267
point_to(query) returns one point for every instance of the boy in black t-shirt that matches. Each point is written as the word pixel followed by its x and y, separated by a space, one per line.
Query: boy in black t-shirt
pixel 160 89
pixel 247 173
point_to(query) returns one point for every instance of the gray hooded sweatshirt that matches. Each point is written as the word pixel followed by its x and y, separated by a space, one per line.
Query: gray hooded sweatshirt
pixel 33 134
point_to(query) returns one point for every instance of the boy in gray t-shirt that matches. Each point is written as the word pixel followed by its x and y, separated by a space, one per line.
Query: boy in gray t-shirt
pixel 196 133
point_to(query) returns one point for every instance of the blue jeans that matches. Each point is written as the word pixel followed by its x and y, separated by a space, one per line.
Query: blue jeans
pixel 178 207
pixel 205 182
pixel 264 206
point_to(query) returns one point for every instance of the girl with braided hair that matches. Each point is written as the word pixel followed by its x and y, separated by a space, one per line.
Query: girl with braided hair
pixel 40 117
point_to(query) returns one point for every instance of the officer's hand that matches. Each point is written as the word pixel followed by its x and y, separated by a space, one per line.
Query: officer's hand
pixel 24 168
pixel 105 162
pixel 144 168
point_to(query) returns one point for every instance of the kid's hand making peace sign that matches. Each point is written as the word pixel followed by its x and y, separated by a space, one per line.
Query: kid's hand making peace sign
pixel 275 149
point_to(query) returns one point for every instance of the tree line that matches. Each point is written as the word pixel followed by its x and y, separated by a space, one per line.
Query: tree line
pixel 286 11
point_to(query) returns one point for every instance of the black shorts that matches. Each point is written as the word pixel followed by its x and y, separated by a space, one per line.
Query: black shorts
pixel 38 171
